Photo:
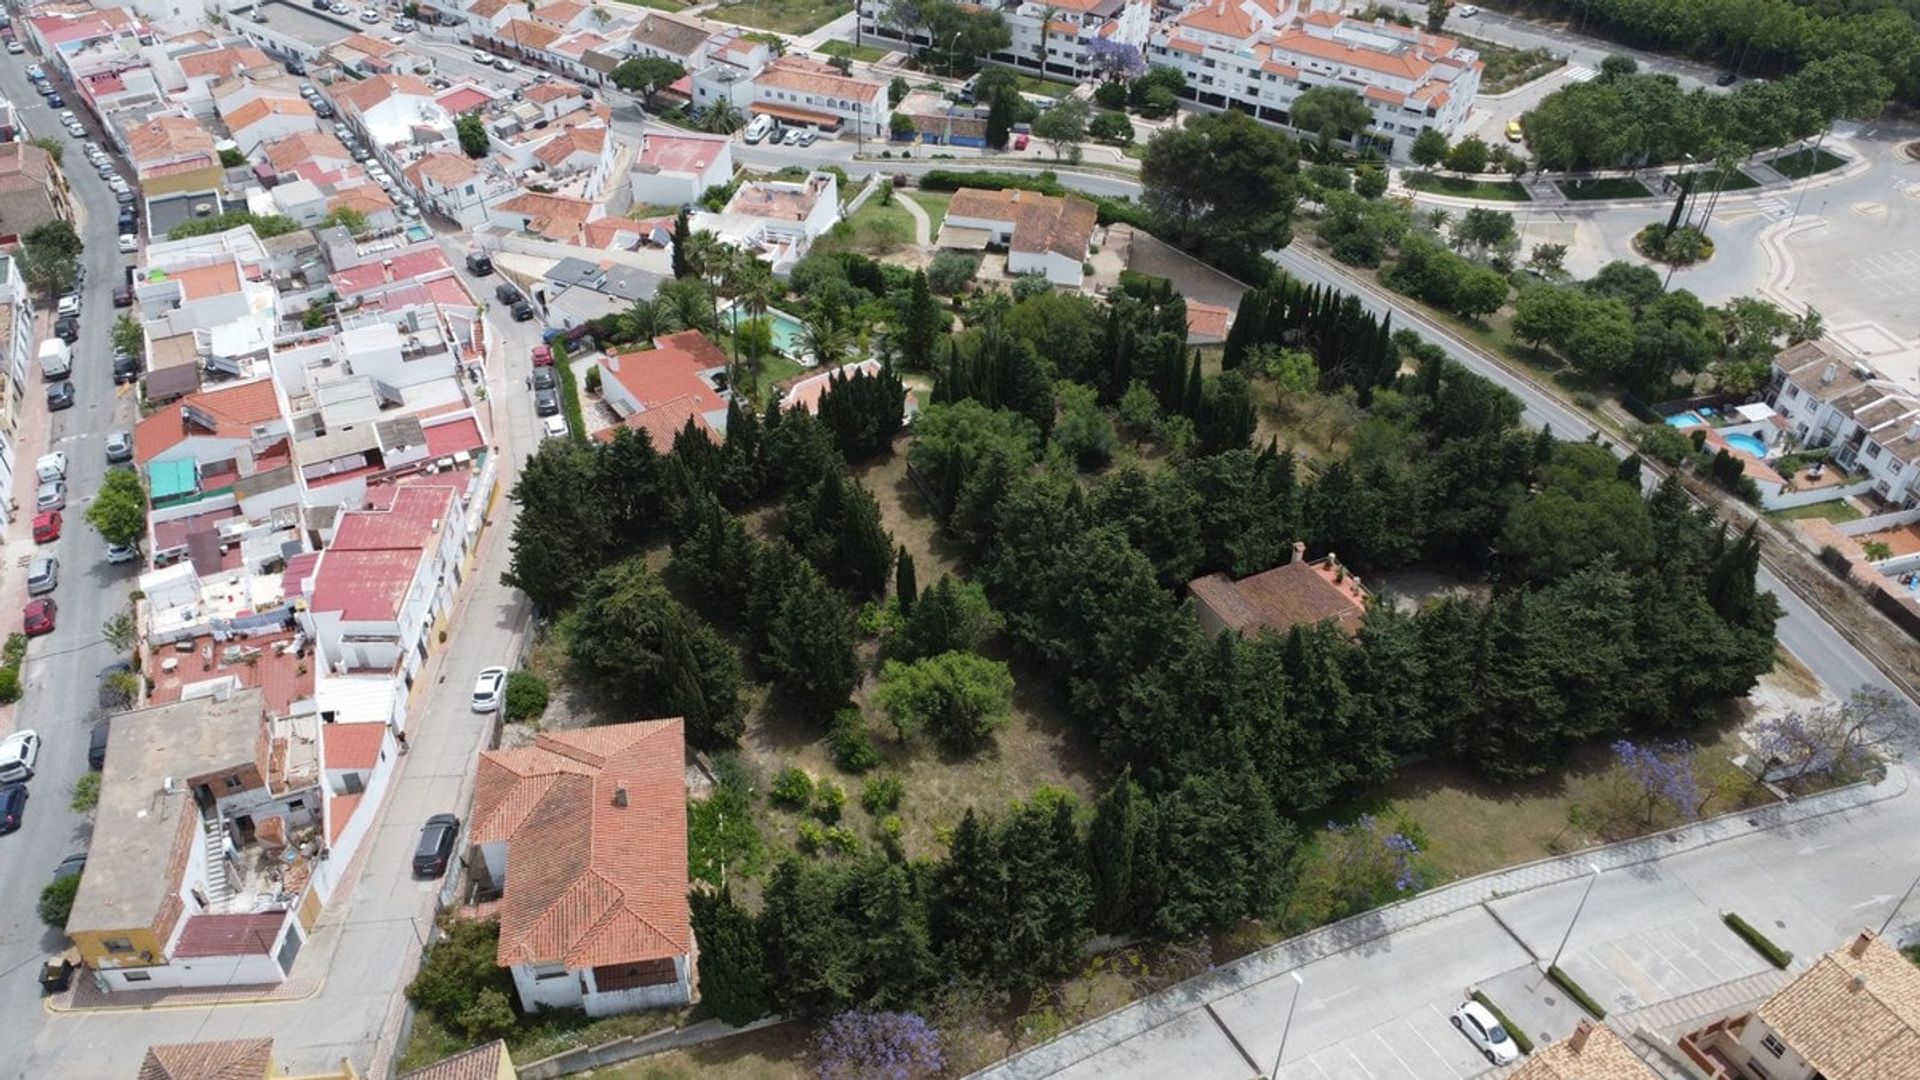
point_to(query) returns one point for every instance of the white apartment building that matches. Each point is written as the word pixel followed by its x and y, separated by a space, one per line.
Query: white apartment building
pixel 1832 399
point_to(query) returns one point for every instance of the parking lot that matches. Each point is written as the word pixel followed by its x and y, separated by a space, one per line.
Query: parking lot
pixel 317 28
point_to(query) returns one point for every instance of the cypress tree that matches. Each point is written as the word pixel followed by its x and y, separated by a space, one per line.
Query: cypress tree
pixel 733 974
pixel 1112 840
pixel 682 232
pixel 999 120
pixel 865 548
pixel 905 587
pixel 967 902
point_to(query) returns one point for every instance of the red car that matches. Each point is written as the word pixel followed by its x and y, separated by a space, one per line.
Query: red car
pixel 40 616
pixel 542 356
pixel 1020 141
pixel 46 527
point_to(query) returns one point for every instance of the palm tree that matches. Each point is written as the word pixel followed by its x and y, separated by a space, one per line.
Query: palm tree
pixel 720 117
pixel 641 322
pixel 753 294
pixel 1808 326
pixel 826 341
pixel 1046 28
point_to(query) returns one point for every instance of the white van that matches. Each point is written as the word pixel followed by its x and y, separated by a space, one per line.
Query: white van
pixel 51 466
pixel 56 360
pixel 762 125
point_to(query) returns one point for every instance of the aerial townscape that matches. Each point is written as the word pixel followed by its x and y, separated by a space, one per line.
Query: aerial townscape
pixel 893 539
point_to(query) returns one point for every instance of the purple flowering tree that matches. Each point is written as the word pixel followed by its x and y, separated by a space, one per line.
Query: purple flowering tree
pixel 1662 773
pixel 868 1045
pixel 1115 60
pixel 1370 863
pixel 1836 744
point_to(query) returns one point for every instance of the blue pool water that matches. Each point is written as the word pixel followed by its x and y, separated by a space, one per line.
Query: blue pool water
pixel 787 330
pixel 1748 443
pixel 1686 420
pixel 418 233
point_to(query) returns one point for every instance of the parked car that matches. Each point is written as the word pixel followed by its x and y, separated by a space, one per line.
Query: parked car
pixel 55 101
pixel 39 616
pixel 1514 131
pixel 69 304
pixel 18 754
pixel 119 447
pixel 13 805
pixel 126 368
pixel 544 379
pixel 1485 1033
pixel 1466 11
pixel 553 427
pixel 542 355
pixel 46 526
pixel 369 16
pixel 67 329
pixel 51 496
pixel 129 242
pixel 403 25
pixel 504 64
pixel 808 136
pixel 1725 78
pixel 1020 141
pixel 97 745
pixel 123 294
pixel 14 48
pixel 506 293
pixel 482 56
pixel 489 689
pixel 435 849
pixel 546 402
pixel 122 553
pixel 35 73
pixel 43 575
pixel 60 395
pixel 522 311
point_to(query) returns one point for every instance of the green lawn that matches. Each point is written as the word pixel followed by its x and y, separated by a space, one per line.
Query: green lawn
pixel 1735 181
pixel 1502 190
pixel 781 16
pixel 1838 511
pixel 934 203
pixel 1034 84
pixel 866 54
pixel 1804 163
pixel 1617 187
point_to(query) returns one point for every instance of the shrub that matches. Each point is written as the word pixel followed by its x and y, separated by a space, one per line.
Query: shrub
pixel 852 747
pixel 882 793
pixel 9 685
pixel 457 971
pixel 841 840
pixel 86 792
pixel 793 787
pixel 592 381
pixel 15 650
pixel 812 836
pixel 828 800
pixel 527 696
pixel 56 900
pixel 1519 1037
pixel 1577 992
pixel 721 832
pixel 569 394
pixel 951 272
pixel 1110 95
pixel 1763 945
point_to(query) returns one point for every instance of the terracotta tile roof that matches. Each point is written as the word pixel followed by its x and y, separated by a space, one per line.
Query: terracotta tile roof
pixel 365 198
pixel 349 747
pixel 1287 595
pixel 1224 17
pixel 219 62
pixel 1592 1052
pixel 366 571
pixel 555 217
pixel 670 371
pixel 27 161
pixel 609 233
pixel 559 12
pixel 806 76
pixel 229 935
pixel 1406 65
pixel 1060 224
pixel 365 43
pixel 263 107
pixel 201 282
pixel 487 9
pixel 661 423
pixel 527 34
pixel 542 93
pixel 1208 320
pixel 371 91
pixel 675 153
pixel 235 1059
pixel 340 810
pixel 442 167
pixel 669 35
pixel 577 140
pixel 1854 1013
pixel 235 409
pixel 479 1063
pixel 284 154
pixel 590 882
pixel 167 138
pixel 468 98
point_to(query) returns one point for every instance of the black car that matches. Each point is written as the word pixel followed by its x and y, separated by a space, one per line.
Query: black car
pixel 506 293
pixel 97 746
pixel 60 395
pixel 70 866
pixel 522 311
pixel 67 328
pixel 1726 78
pixel 123 296
pixel 546 402
pixel 126 368
pixel 55 101
pixel 430 856
pixel 13 804
pixel 544 378
pixel 479 265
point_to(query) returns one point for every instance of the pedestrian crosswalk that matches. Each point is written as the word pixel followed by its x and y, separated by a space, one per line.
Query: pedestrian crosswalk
pixel 1773 208
pixel 1581 73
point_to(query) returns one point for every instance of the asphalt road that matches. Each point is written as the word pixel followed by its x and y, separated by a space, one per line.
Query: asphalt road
pixel 62 668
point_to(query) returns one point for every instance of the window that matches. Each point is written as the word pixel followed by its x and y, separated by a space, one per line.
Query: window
pixel 136 976
pixel 1873 450
pixel 116 944
pixel 1792 392
pixel 233 783
pixel 1773 1046
pixel 550 971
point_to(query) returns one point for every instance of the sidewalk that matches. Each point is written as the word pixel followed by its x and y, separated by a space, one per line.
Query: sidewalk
pixel 1143 1016
pixel 29 442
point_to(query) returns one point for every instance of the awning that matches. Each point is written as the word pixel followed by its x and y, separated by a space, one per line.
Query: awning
pixel 825 121
pixel 962 238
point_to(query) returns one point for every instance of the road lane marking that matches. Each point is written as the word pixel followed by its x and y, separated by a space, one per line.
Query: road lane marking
pixel 1377 1037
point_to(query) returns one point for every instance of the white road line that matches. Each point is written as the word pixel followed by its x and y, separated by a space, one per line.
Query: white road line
pixel 1434 1050
pixel 1396 1054
pixel 1317 1067
pixel 1361 1064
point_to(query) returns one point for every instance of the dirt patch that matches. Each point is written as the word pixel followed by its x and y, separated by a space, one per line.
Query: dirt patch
pixel 907 516
pixel 773 1053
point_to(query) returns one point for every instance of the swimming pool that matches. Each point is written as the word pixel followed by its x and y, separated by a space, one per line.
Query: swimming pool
pixel 1748 443
pixel 418 233
pixel 1686 420
pixel 788 331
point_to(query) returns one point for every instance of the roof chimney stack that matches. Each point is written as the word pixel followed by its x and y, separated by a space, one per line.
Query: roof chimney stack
pixel 1858 948
pixel 1828 375
pixel 620 796
pixel 1578 1040
pixel 1299 551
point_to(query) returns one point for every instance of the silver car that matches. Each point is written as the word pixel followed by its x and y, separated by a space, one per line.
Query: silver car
pixel 43 575
pixel 51 496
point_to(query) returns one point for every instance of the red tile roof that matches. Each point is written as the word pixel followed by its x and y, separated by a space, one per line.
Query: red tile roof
pixel 340 810
pixel 229 935
pixel 661 423
pixel 351 747
pixel 596 829
pixel 365 573
pixel 1041 223
pixel 453 436
pixel 463 99
pixel 368 276
pixel 1290 594
pixel 670 371
pixel 479 1063
pixel 234 1059
pixel 236 409
pixel 678 153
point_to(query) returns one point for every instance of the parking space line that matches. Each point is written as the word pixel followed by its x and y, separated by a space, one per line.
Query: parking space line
pixel 1358 1062
pixel 1435 1051
pixel 1396 1054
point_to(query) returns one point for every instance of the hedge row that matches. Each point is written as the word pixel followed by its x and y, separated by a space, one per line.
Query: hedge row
pixel 1110 209
pixel 1763 945
pixel 1518 1036
pixel 569 394
pixel 1577 992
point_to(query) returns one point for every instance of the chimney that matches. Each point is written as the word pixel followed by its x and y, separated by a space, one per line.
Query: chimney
pixel 1828 375
pixel 1858 948
pixel 1299 551
pixel 1577 1041
pixel 620 796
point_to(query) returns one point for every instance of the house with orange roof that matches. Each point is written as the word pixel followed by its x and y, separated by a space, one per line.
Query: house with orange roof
pixel 682 39
pixel 455 186
pixel 265 119
pixel 33 191
pixel 190 77
pixel 555 217
pixel 584 833
pixel 799 90
pixel 681 372
pixel 1042 234
pixel 225 430
pixel 674 168
pixel 1295 593
pixel 363 54
pixel 173 155
pixel 318 148
pixel 776 220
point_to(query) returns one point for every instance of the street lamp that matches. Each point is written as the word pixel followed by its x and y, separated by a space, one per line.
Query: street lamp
pixel 1591 881
pixel 1298 985
pixel 1898 906
pixel 951 45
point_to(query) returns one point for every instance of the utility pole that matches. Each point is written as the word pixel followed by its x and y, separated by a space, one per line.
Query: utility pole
pixel 1898 906
pixel 1592 880
pixel 1298 985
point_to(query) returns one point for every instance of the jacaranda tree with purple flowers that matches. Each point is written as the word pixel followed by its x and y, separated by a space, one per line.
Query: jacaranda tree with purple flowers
pixel 1661 773
pixel 1115 59
pixel 867 1045
pixel 1837 743
pixel 1370 863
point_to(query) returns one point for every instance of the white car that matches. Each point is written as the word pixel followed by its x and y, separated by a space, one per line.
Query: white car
pixel 489 689
pixel 122 553
pixel 70 304
pixel 1485 1033
pixel 18 753
pixel 34 73
pixel 129 243
pixel 369 16
pixel 14 48
pixel 482 56
pixel 553 427
pixel 504 64
pixel 1467 11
